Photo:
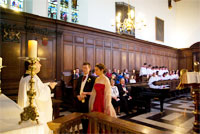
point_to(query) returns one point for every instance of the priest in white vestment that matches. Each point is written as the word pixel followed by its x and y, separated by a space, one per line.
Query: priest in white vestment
pixel 43 100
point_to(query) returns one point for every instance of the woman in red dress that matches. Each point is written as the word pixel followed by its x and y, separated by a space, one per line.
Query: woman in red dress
pixel 100 99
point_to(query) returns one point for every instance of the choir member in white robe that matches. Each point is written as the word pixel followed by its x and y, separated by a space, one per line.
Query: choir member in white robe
pixel 143 70
pixel 165 76
pixel 152 79
pixel 149 71
pixel 177 74
pixel 161 71
pixel 143 73
pixel 43 100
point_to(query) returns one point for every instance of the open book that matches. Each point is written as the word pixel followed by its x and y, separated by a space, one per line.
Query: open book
pixel 191 77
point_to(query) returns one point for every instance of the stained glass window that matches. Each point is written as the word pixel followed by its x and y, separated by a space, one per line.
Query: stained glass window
pixel 3 2
pixel 64 10
pixel 17 5
pixel 74 6
pixel 52 9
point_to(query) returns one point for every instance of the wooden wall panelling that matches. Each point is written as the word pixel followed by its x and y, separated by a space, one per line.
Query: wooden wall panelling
pixel 124 60
pixel 89 55
pixel 79 56
pixel 108 58
pixel 48 66
pixel 116 59
pixel 138 61
pixel 153 60
pixel 131 61
pixel 99 55
pixel 11 74
pixel 68 57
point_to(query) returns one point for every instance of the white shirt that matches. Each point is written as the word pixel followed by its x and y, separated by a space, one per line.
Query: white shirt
pixel 152 79
pixel 132 81
pixel 167 77
pixel 83 84
pixel 149 71
pixel 161 72
pixel 114 91
pixel 176 76
pixel 143 71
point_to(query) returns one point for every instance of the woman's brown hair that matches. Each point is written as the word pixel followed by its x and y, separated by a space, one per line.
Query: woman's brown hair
pixel 100 66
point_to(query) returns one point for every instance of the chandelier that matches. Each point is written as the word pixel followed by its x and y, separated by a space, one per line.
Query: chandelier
pixel 129 24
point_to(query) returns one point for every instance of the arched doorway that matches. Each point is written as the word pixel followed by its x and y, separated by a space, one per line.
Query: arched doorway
pixel 195 48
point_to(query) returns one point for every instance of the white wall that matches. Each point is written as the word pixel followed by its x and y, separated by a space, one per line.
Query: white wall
pixel 151 9
pixel 99 14
pixel 40 7
pixel 187 23
pixel 182 22
pixel 37 7
pixel 83 12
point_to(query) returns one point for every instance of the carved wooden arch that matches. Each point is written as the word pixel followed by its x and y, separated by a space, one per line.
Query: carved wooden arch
pixel 195 53
pixel 195 45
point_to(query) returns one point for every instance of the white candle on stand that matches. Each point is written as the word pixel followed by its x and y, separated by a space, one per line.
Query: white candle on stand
pixel 32 49
pixel 0 61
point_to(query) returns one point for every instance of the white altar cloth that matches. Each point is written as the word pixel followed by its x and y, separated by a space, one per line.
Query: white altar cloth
pixel 10 116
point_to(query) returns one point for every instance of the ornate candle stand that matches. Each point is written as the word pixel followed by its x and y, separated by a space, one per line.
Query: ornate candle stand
pixel 30 112
pixel 196 98
pixel 195 93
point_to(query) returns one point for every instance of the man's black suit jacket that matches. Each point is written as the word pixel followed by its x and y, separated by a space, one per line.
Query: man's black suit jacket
pixel 121 91
pixel 83 107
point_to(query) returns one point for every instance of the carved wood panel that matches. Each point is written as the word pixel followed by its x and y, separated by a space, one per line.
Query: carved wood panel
pixel 68 57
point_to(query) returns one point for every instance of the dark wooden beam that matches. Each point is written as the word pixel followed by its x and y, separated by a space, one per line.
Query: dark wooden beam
pixel 177 0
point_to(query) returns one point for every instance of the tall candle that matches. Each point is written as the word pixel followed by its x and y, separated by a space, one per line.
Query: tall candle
pixel 0 61
pixel 32 49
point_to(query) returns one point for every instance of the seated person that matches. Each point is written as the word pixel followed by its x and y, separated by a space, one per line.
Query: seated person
pixel 92 73
pixel 133 72
pixel 143 73
pixel 119 76
pixel 165 76
pixel 152 79
pixel 126 99
pixel 77 74
pixel 114 72
pixel 125 72
pixel 177 74
pixel 149 71
pixel 132 79
pixel 115 96
pixel 126 78
pixel 109 74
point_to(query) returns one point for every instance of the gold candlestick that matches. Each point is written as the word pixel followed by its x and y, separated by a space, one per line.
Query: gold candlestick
pixel 30 112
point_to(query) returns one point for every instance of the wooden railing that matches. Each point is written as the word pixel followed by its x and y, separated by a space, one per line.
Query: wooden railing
pixel 98 123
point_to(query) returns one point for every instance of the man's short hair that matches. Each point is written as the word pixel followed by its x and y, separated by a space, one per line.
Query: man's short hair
pixel 26 65
pixel 86 63
pixel 145 63
pixel 121 79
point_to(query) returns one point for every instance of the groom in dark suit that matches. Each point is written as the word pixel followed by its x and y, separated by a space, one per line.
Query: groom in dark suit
pixel 84 87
